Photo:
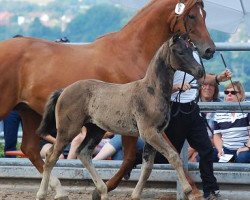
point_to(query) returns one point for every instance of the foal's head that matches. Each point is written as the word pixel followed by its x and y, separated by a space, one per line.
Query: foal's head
pixel 180 56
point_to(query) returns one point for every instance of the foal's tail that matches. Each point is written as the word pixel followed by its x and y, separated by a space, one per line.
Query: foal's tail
pixel 48 124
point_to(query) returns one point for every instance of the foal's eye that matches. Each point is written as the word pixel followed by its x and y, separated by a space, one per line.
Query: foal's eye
pixel 191 16
pixel 181 53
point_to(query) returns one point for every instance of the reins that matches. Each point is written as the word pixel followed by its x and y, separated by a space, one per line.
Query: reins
pixel 225 65
pixel 177 98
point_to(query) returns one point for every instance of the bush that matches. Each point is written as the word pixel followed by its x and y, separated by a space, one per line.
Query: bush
pixel 1 150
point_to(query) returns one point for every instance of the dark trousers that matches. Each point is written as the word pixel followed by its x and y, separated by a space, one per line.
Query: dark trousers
pixel 11 124
pixel 186 123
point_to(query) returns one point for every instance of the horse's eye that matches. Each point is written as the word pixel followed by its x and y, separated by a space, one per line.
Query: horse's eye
pixel 191 16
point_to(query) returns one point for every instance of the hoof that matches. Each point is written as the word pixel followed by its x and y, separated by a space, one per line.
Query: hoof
pixel 191 196
pixel 40 196
pixel 187 190
pixel 96 195
pixel 135 198
pixel 62 197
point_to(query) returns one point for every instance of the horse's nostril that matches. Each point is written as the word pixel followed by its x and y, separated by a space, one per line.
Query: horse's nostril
pixel 201 73
pixel 210 51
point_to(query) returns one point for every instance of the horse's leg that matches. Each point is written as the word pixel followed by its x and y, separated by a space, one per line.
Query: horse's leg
pixel 129 149
pixel 30 140
pixel 93 137
pixel 146 169
pixel 31 148
pixel 195 191
pixel 51 158
pixel 156 139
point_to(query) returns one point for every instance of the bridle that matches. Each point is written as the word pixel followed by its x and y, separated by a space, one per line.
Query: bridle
pixel 177 17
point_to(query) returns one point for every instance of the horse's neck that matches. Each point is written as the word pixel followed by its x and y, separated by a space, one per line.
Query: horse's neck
pixel 160 76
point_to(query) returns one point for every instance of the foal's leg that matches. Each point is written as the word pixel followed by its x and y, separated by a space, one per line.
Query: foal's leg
pixel 66 131
pixel 156 139
pixel 129 149
pixel 51 158
pixel 195 191
pixel 146 169
pixel 30 146
pixel 93 137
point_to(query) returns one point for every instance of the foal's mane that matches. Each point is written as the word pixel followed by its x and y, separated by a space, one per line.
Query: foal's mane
pixel 163 54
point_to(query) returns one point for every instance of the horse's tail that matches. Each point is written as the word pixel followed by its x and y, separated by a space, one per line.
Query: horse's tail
pixel 48 124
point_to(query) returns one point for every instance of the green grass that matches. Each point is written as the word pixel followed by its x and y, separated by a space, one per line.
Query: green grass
pixel 1 150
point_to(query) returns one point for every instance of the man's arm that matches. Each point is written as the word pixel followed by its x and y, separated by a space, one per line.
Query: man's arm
pixel 216 79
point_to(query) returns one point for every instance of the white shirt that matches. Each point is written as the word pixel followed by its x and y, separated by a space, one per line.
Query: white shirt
pixel 188 95
pixel 233 129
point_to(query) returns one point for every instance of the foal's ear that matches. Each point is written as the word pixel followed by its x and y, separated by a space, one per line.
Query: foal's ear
pixel 174 39
pixel 184 36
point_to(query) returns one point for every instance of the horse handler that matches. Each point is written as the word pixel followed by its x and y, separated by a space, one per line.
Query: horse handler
pixel 185 110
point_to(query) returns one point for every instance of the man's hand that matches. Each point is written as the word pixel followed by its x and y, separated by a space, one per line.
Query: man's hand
pixel 177 87
pixel 241 149
pixel 220 153
pixel 224 76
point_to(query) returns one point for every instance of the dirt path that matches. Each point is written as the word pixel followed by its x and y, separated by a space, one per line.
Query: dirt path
pixel 10 192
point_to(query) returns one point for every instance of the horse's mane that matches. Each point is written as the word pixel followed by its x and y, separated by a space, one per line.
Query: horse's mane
pixel 139 13
pixel 136 17
pixel 162 52
pixel 173 16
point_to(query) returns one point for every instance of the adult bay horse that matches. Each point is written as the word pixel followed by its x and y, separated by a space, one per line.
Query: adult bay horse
pixel 32 68
pixel 137 108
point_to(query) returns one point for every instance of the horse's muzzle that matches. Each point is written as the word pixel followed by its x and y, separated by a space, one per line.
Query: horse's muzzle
pixel 208 53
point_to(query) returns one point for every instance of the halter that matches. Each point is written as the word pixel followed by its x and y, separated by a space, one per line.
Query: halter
pixel 177 17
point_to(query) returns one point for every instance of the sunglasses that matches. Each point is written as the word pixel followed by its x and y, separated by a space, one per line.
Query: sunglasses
pixel 230 92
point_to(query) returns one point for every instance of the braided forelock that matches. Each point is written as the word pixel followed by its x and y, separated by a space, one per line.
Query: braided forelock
pixel 188 6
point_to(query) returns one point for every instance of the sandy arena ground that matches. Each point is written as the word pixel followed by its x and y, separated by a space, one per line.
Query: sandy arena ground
pixel 28 192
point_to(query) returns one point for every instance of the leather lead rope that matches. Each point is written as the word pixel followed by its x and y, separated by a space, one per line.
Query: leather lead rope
pixel 225 65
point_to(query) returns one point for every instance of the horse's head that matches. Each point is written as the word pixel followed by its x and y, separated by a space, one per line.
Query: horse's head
pixel 180 56
pixel 192 20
